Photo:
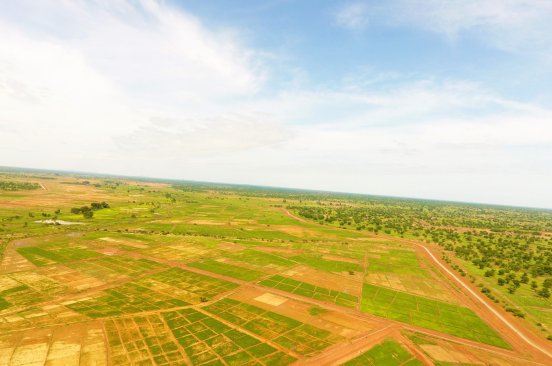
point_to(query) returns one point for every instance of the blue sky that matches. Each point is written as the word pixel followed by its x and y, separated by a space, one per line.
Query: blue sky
pixel 442 99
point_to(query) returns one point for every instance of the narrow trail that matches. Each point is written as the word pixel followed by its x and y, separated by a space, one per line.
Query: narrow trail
pixel 512 328
pixel 343 352
pixel 489 307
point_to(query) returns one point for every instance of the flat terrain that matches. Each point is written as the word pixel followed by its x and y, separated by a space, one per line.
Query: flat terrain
pixel 112 271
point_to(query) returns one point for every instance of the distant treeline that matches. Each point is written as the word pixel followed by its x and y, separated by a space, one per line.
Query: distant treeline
pixel 17 186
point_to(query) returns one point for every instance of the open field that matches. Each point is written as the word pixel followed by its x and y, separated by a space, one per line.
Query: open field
pixel 389 353
pixel 428 313
pixel 112 271
pixel 310 290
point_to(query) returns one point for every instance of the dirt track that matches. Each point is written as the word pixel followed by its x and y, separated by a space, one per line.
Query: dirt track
pixel 522 341
pixel 485 303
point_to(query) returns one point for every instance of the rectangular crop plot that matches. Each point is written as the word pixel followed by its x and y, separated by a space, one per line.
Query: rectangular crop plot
pixel 208 341
pixel 258 258
pixel 316 261
pixel 310 290
pixel 193 283
pixel 114 267
pixel 299 337
pixel 142 340
pixel 230 270
pixel 432 314
pixel 126 299
pixel 389 353
pixel 396 261
pixel 50 254
pixel 164 290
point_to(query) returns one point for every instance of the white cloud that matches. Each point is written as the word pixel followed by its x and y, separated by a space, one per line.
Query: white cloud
pixel 508 24
pixel 77 76
pixel 352 16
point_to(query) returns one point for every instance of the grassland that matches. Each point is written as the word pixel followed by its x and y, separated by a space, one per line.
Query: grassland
pixel 185 273
pixel 428 313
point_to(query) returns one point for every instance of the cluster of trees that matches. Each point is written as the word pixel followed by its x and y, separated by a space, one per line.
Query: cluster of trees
pixel 88 211
pixel 17 186
pixel 506 243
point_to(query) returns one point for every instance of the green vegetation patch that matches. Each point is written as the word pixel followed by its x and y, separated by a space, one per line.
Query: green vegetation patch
pixel 432 314
pixel 259 258
pixel 388 353
pixel 287 332
pixel 48 254
pixel 316 261
pixel 208 341
pixel 310 290
pixel 396 261
pixel 113 266
pixel 126 299
pixel 194 283
pixel 227 269
pixel 164 290
pixel 4 304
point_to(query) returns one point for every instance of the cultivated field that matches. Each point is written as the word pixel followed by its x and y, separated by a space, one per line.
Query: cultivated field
pixel 113 271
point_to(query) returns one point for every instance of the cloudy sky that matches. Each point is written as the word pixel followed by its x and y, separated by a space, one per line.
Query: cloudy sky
pixel 445 99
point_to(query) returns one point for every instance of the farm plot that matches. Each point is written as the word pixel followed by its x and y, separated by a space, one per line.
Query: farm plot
pixel 164 290
pixel 316 261
pixel 200 285
pixel 402 270
pixel 142 340
pixel 388 353
pixel 227 269
pixel 126 299
pixel 114 267
pixel 74 280
pixel 261 259
pixel 26 288
pixel 428 313
pixel 184 252
pixel 19 295
pixel 51 254
pixel 208 341
pixel 70 345
pixel 299 337
pixel 393 260
pixel 310 290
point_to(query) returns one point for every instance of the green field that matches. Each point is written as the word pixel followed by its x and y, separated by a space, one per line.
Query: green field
pixel 207 341
pixel 42 256
pixel 230 270
pixel 389 353
pixel 310 290
pixel 290 333
pixel 428 313
pixel 318 262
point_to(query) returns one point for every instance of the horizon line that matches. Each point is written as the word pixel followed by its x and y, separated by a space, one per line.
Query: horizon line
pixel 311 190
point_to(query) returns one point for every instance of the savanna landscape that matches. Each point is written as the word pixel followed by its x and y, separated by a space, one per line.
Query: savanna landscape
pixel 107 270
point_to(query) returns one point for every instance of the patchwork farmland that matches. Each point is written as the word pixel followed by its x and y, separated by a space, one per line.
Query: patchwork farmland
pixel 115 271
